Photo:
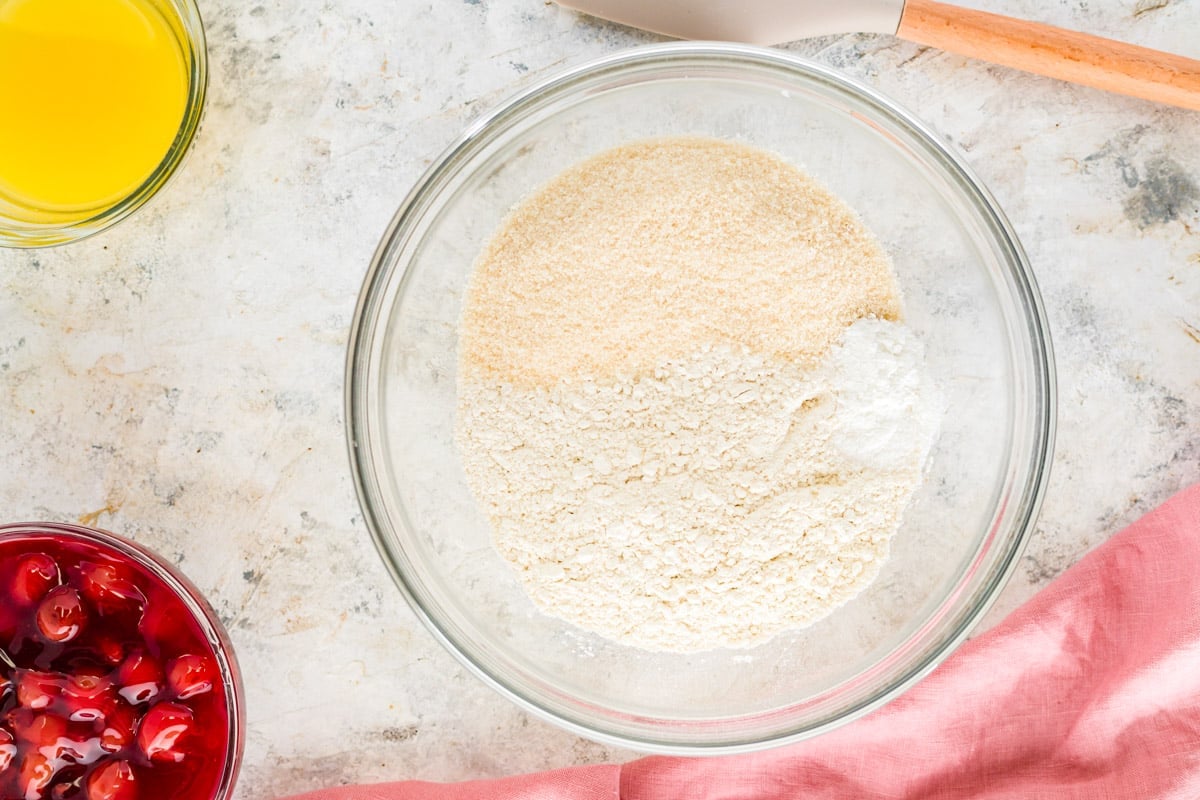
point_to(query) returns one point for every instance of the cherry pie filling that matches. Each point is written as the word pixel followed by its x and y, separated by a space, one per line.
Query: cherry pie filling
pixel 109 687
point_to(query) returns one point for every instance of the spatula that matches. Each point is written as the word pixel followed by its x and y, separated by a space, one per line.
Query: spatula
pixel 1030 46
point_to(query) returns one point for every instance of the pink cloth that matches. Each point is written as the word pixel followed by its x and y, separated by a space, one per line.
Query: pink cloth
pixel 1090 690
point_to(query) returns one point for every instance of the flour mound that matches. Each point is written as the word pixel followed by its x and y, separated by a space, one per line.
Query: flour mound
pixel 716 501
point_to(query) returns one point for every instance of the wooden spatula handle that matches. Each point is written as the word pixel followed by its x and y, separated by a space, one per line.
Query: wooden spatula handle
pixel 1054 52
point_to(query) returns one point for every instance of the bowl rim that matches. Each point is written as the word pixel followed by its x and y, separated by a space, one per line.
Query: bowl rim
pixel 1026 496
pixel 193 45
pixel 197 605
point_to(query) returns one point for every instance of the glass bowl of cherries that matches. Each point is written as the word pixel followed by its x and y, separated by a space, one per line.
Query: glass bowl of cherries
pixel 117 681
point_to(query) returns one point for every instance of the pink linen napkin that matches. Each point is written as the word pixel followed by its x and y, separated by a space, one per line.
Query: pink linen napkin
pixel 1089 690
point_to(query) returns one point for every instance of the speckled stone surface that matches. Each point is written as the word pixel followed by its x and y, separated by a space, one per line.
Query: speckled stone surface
pixel 179 378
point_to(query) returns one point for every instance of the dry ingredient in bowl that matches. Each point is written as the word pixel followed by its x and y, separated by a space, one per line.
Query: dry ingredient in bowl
pixel 685 401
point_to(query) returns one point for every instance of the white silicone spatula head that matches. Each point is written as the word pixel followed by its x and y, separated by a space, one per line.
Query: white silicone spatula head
pixel 751 21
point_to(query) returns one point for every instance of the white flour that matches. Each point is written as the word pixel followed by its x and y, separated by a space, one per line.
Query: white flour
pixel 683 398
pixel 716 502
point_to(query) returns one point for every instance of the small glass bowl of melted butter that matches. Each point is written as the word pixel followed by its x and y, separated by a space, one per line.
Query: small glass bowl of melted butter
pixel 101 101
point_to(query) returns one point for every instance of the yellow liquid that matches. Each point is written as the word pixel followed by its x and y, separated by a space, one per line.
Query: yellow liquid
pixel 92 94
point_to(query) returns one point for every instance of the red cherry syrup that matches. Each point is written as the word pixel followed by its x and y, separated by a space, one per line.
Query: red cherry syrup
pixel 109 687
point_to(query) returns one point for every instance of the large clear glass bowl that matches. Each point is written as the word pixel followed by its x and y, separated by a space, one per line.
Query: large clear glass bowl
pixel 969 296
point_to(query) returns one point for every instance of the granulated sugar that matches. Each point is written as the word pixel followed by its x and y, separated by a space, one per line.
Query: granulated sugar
pixel 643 252
pixel 682 401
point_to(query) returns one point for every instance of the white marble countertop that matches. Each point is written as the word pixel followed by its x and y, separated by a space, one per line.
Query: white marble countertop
pixel 179 378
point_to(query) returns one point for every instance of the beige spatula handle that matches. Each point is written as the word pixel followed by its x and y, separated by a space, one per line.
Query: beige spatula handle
pixel 1054 52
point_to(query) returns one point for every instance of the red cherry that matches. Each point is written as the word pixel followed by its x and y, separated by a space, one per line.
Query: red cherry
pixel 114 780
pixel 109 587
pixel 88 698
pixel 39 730
pixel 140 678
pixel 189 676
pixel 61 615
pixel 118 728
pixel 110 651
pixel 160 623
pixel 35 775
pixel 8 749
pixel 36 574
pixel 161 729
pixel 37 690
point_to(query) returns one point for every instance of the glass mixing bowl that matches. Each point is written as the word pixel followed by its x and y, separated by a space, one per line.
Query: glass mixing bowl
pixel 969 296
